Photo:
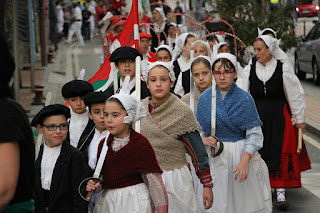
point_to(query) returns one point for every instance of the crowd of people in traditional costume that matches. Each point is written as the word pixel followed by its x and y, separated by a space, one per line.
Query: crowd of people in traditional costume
pixel 206 134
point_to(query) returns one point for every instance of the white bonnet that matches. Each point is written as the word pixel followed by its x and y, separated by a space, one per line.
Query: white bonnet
pixel 272 44
pixel 230 57
pixel 217 47
pixel 164 47
pixel 166 65
pixel 260 32
pixel 160 10
pixel 180 41
pixel 135 108
pixel 202 42
pixel 205 57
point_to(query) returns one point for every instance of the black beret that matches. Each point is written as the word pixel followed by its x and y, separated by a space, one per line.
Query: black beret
pixel 76 88
pixel 123 53
pixel 96 97
pixel 50 110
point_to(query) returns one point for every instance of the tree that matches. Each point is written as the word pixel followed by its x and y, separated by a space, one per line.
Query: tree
pixel 247 15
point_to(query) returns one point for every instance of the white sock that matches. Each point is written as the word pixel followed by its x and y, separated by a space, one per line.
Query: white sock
pixel 281 194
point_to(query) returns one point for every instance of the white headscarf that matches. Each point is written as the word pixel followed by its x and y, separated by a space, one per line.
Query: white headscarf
pixel 202 56
pixel 135 108
pixel 166 65
pixel 260 32
pixel 167 47
pixel 230 57
pixel 205 44
pixel 180 41
pixel 160 10
pixel 221 37
pixel 217 47
pixel 273 45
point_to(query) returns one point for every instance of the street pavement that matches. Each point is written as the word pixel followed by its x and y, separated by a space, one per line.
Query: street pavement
pixel 71 58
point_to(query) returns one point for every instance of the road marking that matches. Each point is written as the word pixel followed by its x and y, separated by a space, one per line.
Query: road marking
pixel 312 141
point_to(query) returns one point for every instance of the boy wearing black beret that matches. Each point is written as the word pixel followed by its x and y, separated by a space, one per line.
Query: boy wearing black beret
pixel 60 167
pixel 88 145
pixel 79 124
pixel 124 59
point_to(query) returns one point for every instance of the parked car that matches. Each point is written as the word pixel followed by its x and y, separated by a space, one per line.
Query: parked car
pixel 308 9
pixel 307 55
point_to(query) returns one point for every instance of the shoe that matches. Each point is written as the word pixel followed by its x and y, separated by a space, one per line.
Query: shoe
pixel 283 205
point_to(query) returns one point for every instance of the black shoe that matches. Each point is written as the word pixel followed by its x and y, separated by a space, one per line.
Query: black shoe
pixel 283 205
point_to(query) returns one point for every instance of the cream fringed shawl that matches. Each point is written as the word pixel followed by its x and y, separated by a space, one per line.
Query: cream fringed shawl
pixel 162 128
pixel 186 98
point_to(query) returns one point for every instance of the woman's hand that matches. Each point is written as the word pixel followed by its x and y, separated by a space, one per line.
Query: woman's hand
pixel 91 185
pixel 301 126
pixel 209 141
pixel 242 169
pixel 207 197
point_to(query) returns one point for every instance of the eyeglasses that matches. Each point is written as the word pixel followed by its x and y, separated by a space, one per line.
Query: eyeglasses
pixel 53 127
pixel 225 74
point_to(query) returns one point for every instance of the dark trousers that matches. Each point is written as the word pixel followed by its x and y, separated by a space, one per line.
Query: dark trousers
pixel 86 30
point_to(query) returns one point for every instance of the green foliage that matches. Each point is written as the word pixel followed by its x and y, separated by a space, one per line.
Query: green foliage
pixel 247 15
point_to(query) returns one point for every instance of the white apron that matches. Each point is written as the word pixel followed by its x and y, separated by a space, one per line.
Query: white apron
pixel 179 186
pixel 230 196
pixel 133 199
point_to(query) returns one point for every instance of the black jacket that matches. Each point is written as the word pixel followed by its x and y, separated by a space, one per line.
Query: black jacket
pixel 69 171
pixel 86 131
pixel 83 147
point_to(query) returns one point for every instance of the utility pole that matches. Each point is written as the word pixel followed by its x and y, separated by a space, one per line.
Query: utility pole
pixel 16 77
pixel 43 38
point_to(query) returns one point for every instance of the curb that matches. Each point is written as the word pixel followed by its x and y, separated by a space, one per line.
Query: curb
pixel 313 127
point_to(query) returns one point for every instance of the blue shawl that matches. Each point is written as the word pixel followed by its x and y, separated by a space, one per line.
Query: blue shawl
pixel 234 115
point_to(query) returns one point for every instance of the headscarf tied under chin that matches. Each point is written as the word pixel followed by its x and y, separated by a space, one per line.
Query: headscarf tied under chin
pixel 273 45
pixel 180 41
pixel 134 108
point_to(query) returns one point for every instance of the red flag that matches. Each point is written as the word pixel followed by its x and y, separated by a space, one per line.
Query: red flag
pixel 128 37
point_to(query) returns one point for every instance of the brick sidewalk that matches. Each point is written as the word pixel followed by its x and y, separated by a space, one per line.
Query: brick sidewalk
pixel 313 109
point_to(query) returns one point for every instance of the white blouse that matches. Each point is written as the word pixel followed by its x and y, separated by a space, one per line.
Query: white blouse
pixel 48 162
pixel 93 147
pixel 291 85
pixel 78 123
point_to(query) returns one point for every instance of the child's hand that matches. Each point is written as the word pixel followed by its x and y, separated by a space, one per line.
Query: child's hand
pixel 91 185
pixel 209 141
pixel 207 197
pixel 242 169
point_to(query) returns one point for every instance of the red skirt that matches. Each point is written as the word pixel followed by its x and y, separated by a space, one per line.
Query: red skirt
pixel 292 163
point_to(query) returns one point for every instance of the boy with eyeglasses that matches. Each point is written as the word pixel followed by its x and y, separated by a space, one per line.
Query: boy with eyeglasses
pixel 79 123
pixel 60 167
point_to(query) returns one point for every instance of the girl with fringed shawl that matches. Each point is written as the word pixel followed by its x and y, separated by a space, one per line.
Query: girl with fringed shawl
pixel 240 176
pixel 172 130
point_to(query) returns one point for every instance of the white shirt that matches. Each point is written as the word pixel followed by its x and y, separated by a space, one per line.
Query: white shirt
pixel 77 14
pixel 93 147
pixel 48 162
pixel 131 83
pixel 184 65
pixel 291 85
pixel 78 123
